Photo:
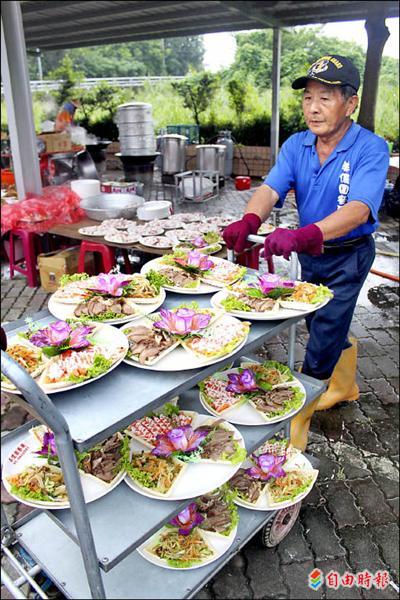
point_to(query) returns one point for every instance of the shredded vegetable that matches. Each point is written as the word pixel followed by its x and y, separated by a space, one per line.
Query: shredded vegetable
pixel 182 550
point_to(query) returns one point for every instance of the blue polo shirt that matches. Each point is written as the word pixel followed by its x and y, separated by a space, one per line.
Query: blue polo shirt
pixel 356 170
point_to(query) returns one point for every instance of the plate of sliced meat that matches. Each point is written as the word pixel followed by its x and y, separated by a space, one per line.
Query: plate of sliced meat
pixel 211 453
pixel 107 298
pixel 253 394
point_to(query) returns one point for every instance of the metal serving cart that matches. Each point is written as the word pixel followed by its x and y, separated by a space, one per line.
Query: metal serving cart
pixel 88 551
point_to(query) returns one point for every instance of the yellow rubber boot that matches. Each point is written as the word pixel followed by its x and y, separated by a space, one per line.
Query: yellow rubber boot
pixel 342 385
pixel 300 425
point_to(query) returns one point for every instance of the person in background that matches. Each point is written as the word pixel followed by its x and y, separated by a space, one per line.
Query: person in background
pixel 338 171
pixel 65 116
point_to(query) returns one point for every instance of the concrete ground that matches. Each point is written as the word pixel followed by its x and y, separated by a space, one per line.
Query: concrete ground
pixel 349 521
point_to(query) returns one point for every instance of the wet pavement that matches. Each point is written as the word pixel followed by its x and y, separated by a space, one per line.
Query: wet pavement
pixel 349 521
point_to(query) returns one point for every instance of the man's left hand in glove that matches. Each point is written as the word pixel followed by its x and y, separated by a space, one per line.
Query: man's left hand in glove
pixel 306 240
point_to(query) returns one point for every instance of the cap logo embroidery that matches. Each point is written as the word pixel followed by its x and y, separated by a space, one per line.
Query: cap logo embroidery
pixel 322 64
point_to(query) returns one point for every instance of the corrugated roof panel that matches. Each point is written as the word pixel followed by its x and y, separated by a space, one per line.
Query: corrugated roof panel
pixel 54 24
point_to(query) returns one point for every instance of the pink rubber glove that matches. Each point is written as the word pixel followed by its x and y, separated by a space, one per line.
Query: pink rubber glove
pixel 306 240
pixel 236 233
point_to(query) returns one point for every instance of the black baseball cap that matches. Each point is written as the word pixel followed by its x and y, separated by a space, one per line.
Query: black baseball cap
pixel 331 70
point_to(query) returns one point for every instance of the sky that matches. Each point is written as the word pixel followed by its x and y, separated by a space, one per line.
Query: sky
pixel 220 47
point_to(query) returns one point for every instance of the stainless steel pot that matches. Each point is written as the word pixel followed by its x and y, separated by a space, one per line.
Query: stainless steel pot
pixel 173 153
pixel 210 157
pixel 111 206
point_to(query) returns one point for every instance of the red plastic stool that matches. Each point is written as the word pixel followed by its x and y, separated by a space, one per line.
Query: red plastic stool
pixel 107 255
pixel 32 246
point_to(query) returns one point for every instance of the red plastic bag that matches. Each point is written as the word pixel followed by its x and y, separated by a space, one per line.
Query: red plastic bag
pixel 58 205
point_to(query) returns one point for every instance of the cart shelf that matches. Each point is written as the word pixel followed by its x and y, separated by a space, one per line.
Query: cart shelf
pixel 134 577
pixel 116 533
pixel 122 520
pixel 96 411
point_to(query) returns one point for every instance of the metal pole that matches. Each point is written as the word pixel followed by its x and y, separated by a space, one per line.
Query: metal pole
pixel 17 94
pixel 39 63
pixel 276 76
pixel 294 266
pixel 51 416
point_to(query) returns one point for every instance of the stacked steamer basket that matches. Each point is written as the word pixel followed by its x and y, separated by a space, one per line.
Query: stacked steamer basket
pixel 137 143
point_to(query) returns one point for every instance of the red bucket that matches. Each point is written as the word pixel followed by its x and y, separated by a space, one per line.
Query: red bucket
pixel 242 183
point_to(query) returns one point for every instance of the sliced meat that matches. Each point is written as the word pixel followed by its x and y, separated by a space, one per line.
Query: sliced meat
pixel 246 486
pixel 146 344
pixel 258 304
pixel 179 278
pixel 273 400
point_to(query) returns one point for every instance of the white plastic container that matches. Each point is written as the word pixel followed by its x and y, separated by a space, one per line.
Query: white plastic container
pixel 85 187
pixel 160 209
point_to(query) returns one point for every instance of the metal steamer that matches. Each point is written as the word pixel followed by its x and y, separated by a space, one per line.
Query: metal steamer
pixel 137 143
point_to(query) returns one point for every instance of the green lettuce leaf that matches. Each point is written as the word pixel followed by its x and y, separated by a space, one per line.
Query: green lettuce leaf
pixel 28 494
pixel 231 303
pixel 294 493
pixel 157 280
pixel 238 457
pixel 100 365
pixel 75 277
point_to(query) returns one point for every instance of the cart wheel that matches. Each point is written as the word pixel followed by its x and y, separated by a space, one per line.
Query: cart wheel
pixel 277 529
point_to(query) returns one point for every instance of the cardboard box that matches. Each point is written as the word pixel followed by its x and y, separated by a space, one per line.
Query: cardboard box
pixel 57 141
pixel 55 264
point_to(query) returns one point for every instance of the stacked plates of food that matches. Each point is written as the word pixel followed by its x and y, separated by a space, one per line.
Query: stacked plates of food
pixel 269 297
pixel 61 356
pixel 201 533
pixel 253 394
pixel 276 476
pixel 184 461
pixel 31 473
pixel 107 298
pixel 193 272
pixel 185 337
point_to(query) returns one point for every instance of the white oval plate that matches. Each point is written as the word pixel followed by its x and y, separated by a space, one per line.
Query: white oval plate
pixel 108 336
pixel 204 288
pixel 198 478
pixel 219 543
pixel 133 238
pixel 22 456
pixel 180 359
pixel 63 311
pixel 298 461
pixel 281 313
pixel 246 414
pixel 150 242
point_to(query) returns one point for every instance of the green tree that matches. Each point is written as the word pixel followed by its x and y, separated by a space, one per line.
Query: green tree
pixel 197 91
pixel 173 56
pixel 237 90
pixel 70 79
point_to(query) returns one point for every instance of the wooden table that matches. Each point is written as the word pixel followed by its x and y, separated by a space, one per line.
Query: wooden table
pixel 71 231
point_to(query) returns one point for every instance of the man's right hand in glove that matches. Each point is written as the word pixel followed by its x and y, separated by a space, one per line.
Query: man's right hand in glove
pixel 236 233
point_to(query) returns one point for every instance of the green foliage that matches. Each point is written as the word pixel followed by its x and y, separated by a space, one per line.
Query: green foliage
pixel 173 56
pixel 98 108
pixel 197 91
pixel 237 96
pixel 70 79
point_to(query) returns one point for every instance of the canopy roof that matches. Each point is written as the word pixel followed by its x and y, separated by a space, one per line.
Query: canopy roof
pixel 58 24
